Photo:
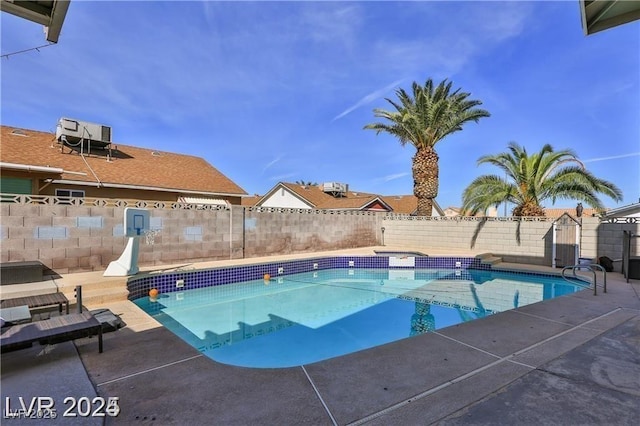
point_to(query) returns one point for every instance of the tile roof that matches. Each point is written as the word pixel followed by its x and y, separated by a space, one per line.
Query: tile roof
pixel 316 198
pixel 250 201
pixel 402 204
pixel 129 165
pixel 556 213
pixel 319 199
pixel 408 204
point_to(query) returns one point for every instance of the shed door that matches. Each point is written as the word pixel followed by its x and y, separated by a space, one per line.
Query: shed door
pixel 566 246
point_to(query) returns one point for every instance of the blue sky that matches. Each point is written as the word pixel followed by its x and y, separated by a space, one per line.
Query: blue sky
pixel 281 91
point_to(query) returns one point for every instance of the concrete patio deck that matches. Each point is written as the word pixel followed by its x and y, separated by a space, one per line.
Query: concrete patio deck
pixel 570 360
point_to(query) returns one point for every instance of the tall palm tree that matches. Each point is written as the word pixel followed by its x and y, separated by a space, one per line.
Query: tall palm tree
pixel 423 119
pixel 531 179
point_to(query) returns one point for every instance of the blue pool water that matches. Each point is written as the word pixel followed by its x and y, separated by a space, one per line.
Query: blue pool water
pixel 302 318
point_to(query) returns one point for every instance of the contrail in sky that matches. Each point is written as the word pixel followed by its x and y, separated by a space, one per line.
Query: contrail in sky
pixel 392 177
pixel 271 163
pixel 613 157
pixel 368 99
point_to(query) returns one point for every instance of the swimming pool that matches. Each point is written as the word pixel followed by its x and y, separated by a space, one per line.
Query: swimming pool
pixel 305 317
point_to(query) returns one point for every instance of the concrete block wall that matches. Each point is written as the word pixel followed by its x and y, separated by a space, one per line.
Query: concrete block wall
pixel 300 231
pixel 609 239
pixel 75 238
pixel 527 241
pixel 69 239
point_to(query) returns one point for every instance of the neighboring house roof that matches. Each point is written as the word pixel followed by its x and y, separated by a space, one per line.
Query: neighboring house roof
pixel 630 210
pixel 408 204
pixel 127 167
pixel 250 201
pixel 556 213
pixel 314 197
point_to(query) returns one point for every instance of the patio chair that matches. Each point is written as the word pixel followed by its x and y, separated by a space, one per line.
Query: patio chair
pixel 54 330
pixel 38 301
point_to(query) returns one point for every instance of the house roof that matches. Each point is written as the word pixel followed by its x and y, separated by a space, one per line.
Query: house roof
pixel 126 167
pixel 315 197
pixel 624 210
pixel 250 201
pixel 408 204
pixel 556 213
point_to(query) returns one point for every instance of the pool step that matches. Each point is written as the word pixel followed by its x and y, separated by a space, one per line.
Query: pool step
pixel 98 296
pixel 100 292
pixel 489 259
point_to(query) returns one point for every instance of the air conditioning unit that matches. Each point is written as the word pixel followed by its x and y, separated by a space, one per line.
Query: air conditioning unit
pixel 334 187
pixel 73 131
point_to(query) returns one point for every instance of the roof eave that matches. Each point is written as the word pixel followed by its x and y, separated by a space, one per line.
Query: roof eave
pixel 600 15
pixel 142 187
pixel 622 210
pixel 51 17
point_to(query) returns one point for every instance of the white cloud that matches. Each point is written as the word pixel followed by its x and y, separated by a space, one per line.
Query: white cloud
pixel 449 45
pixel 322 22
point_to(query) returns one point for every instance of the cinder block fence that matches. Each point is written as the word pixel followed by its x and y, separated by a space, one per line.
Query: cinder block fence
pixel 86 234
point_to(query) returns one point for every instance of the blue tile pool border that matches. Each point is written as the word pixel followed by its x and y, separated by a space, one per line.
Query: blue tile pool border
pixel 198 278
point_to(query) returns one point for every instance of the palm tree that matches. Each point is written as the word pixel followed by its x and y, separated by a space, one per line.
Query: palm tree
pixel 531 179
pixel 424 119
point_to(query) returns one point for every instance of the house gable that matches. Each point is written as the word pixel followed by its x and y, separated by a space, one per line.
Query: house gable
pixel 377 205
pixel 284 197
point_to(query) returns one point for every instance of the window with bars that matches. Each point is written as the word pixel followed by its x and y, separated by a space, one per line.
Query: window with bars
pixel 68 193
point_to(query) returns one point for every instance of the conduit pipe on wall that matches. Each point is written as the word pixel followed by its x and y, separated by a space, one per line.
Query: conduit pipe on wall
pixel 41 169
pixel 230 232
pixel 142 187
pixel 244 230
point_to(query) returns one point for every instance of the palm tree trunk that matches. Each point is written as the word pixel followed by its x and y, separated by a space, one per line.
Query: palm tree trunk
pixel 425 179
pixel 425 206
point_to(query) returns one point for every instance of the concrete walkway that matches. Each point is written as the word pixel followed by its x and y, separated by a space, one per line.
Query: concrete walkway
pixel 570 360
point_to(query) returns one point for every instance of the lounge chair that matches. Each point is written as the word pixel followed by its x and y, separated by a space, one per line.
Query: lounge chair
pixel 38 301
pixel 53 330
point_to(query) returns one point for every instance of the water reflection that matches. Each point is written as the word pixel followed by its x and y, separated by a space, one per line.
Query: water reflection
pixel 422 321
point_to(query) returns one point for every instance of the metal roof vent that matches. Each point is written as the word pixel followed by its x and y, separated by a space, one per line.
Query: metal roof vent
pixel 18 132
